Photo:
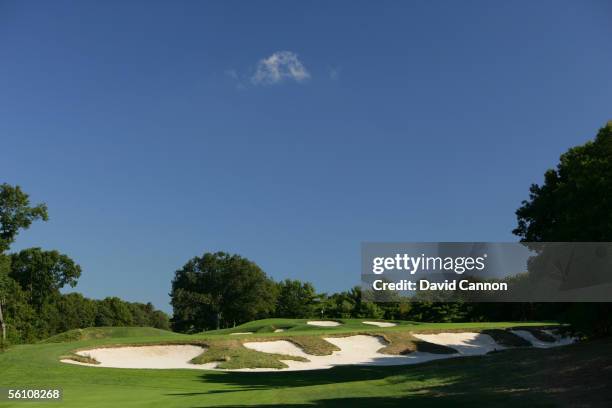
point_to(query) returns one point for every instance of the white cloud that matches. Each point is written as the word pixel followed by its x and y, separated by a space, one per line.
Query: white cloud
pixel 280 66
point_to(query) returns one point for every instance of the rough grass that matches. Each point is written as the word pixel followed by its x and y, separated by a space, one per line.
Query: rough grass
pixel 81 359
pixel 106 333
pixel 537 333
pixel 231 354
pixel 402 343
pixel 506 338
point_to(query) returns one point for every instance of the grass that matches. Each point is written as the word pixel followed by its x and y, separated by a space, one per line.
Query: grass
pixel 106 333
pixel 231 354
pixel 80 358
pixel 574 375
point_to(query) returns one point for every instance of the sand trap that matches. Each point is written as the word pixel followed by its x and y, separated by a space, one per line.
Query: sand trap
pixel 177 356
pixel 468 344
pixel 279 330
pixel 380 324
pixel 559 341
pixel 355 350
pixel 323 323
pixel 358 350
pixel 240 333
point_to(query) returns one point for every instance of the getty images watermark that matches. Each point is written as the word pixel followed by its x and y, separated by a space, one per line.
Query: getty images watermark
pixel 487 271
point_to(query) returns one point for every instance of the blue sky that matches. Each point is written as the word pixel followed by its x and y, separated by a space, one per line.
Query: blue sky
pixel 156 131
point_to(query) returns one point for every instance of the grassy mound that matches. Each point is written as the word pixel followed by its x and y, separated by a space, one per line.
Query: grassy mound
pixel 506 338
pixel 402 343
pixel 79 358
pixel 106 333
pixel 538 333
pixel 231 354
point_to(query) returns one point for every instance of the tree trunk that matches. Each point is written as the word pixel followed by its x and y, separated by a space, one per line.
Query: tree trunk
pixel 2 325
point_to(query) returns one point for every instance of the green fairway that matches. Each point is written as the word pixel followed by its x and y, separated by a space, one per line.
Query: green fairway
pixel 533 376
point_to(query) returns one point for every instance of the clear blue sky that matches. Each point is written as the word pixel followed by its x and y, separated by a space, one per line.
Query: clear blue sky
pixel 144 127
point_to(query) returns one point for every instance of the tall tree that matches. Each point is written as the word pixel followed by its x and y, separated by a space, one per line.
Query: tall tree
pixel 574 204
pixel 219 290
pixel 296 299
pixel 16 214
pixel 43 273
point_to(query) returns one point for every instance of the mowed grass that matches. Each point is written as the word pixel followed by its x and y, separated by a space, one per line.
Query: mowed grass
pixel 579 373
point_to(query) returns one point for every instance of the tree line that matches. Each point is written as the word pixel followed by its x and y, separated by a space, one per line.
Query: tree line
pixel 31 304
pixel 574 204
pixel 219 290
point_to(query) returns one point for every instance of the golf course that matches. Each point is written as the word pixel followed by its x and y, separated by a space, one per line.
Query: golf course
pixel 366 204
pixel 516 371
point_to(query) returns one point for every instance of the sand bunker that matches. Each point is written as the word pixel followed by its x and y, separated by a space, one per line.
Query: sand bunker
pixel 240 333
pixel 354 350
pixel 279 330
pixel 380 324
pixel 468 344
pixel 535 342
pixel 323 323
pixel 358 350
pixel 176 356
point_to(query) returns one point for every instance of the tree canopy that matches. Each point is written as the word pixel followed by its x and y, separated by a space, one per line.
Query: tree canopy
pixel 220 290
pixel 43 273
pixel 575 201
pixel 16 214
pixel 574 204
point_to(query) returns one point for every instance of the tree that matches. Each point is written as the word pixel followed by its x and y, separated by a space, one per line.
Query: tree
pixel 43 273
pixel 16 214
pixel 218 290
pixel 295 299
pixel 574 204
pixel 4 288
pixel 112 311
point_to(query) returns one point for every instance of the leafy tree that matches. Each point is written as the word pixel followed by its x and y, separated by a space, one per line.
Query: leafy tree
pixel 112 311
pixel 295 299
pixel 76 311
pixel 574 204
pixel 43 273
pixel 16 214
pixel 218 290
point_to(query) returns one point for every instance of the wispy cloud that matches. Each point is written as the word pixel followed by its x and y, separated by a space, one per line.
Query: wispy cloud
pixel 278 67
pixel 334 73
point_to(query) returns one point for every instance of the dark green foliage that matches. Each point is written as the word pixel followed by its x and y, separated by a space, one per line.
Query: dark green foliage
pixel 574 204
pixel 296 299
pixel 16 214
pixel 43 273
pixel 220 290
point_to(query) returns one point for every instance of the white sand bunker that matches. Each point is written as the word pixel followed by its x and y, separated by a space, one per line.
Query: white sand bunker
pixel 357 350
pixel 535 342
pixel 380 324
pixel 240 333
pixel 354 350
pixel 279 330
pixel 323 323
pixel 169 356
pixel 468 344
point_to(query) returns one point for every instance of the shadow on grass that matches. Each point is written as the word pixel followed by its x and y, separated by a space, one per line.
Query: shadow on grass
pixel 577 375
